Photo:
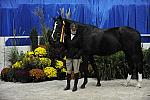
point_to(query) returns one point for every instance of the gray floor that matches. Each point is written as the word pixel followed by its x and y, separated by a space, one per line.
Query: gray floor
pixel 53 90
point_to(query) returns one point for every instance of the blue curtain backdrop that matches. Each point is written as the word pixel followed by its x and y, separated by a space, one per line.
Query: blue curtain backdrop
pixel 18 15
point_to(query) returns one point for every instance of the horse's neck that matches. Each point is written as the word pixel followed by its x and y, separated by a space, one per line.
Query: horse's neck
pixel 82 28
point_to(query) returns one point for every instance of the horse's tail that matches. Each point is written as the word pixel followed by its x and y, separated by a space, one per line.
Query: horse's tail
pixel 130 36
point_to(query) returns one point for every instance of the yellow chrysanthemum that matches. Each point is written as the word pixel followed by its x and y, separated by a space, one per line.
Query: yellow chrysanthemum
pixel 18 64
pixel 40 51
pixel 50 72
pixel 59 64
pixel 45 62
pixel 27 54
pixel 31 53
pixel 65 58
pixel 64 70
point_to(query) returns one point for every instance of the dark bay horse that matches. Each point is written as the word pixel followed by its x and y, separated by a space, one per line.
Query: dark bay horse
pixel 103 42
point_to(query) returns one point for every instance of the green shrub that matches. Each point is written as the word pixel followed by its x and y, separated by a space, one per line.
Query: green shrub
pixel 34 39
pixel 116 66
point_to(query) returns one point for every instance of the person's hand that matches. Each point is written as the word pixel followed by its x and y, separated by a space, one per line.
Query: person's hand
pixel 76 56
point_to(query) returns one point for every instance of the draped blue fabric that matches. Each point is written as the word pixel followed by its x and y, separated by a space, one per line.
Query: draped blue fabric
pixel 17 16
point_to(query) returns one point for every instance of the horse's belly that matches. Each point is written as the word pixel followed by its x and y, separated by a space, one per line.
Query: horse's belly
pixel 107 52
pixel 102 44
pixel 108 48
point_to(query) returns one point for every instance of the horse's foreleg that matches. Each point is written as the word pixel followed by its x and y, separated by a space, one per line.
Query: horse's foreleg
pixel 85 70
pixel 139 80
pixel 96 71
pixel 128 79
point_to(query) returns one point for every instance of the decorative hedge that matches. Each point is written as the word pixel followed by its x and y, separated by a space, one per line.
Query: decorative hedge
pixel 116 67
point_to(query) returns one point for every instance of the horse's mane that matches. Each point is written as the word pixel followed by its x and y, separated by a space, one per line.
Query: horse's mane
pixel 79 24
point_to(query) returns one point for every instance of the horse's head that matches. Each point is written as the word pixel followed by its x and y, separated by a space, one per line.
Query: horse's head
pixel 64 30
pixel 58 29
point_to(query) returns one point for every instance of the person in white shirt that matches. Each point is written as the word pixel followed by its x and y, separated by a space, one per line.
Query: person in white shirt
pixel 72 62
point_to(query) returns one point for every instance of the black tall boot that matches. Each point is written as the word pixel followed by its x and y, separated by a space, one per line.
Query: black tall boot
pixel 76 77
pixel 68 82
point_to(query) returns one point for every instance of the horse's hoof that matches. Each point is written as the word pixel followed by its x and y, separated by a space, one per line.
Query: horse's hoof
pixel 98 84
pixel 138 85
pixel 126 84
pixel 82 87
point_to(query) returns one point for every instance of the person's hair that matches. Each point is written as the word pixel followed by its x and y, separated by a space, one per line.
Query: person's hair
pixel 73 24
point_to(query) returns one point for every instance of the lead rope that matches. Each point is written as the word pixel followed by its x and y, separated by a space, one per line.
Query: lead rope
pixel 62 33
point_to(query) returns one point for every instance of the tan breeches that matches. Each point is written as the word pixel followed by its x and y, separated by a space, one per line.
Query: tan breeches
pixel 73 63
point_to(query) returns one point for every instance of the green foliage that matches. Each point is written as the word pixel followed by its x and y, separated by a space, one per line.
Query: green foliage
pixel 146 67
pixel 116 67
pixel 112 67
pixel 146 54
pixel 14 55
pixel 47 41
pixel 34 39
pixel 146 71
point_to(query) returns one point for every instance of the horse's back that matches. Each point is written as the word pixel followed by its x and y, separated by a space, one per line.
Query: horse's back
pixel 130 33
pixel 109 41
pixel 125 35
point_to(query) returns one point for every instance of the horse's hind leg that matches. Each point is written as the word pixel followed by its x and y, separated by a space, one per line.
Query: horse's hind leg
pixel 136 59
pixel 140 71
pixel 138 63
pixel 96 71
pixel 130 70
